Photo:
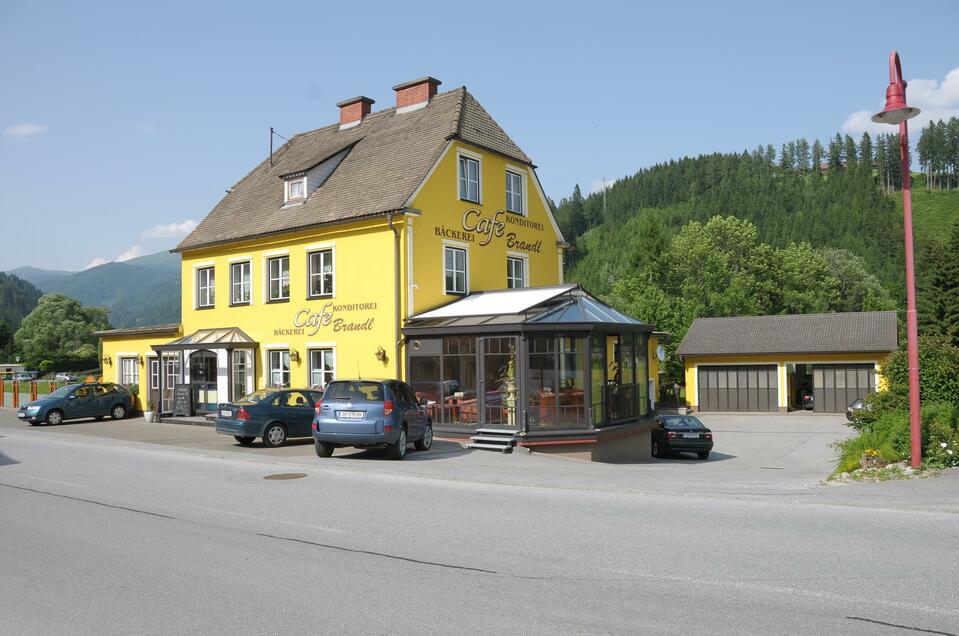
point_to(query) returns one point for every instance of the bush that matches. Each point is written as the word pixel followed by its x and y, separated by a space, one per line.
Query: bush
pixel 887 431
pixel 938 372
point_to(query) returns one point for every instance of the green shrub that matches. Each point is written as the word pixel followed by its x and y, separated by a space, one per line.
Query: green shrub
pixel 938 372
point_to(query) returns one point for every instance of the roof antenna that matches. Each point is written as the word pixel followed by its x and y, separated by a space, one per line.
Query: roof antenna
pixel 273 133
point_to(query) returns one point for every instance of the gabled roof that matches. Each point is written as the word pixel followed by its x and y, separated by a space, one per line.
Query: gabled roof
pixel 867 331
pixel 555 308
pixel 391 155
pixel 216 338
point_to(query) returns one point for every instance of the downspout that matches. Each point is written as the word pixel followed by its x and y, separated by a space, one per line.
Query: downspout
pixel 396 291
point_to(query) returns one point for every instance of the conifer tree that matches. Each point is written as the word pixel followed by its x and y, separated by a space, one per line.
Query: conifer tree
pixel 850 151
pixel 865 150
pixel 817 155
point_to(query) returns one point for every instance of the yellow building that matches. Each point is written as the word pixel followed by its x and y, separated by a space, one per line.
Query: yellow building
pixel 779 363
pixel 312 264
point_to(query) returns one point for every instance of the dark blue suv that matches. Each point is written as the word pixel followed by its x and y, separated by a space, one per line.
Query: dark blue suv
pixel 371 414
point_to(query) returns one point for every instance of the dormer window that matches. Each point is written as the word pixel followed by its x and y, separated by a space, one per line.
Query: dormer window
pixel 295 190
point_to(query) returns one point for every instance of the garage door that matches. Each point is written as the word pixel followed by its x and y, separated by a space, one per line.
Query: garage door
pixel 836 386
pixel 739 388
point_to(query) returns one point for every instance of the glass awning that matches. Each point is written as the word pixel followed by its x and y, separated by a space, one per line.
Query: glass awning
pixel 220 338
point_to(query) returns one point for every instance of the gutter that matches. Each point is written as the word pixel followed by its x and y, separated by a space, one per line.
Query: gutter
pixel 396 291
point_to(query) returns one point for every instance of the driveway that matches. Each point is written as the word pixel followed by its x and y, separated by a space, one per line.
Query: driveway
pixel 753 455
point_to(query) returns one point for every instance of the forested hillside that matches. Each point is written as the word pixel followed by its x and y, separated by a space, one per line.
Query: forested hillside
pixel 141 291
pixel 810 228
pixel 17 299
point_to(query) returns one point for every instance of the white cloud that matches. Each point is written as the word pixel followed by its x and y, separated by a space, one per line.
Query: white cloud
pixel 937 100
pixel 133 252
pixel 597 185
pixel 24 130
pixel 169 230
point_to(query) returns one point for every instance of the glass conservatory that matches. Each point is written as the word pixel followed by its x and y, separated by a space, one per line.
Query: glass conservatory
pixel 538 361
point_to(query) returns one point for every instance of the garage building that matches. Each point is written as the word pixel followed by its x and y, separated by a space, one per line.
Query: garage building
pixel 768 363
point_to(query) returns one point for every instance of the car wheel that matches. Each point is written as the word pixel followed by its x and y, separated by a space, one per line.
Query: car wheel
pixel 118 412
pixel 704 455
pixel 656 450
pixel 274 435
pixel 244 440
pixel 397 450
pixel 54 417
pixel 323 449
pixel 427 441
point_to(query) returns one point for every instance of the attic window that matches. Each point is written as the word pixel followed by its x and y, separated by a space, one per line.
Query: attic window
pixel 294 190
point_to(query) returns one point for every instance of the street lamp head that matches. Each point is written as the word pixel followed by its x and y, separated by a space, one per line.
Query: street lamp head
pixel 896 110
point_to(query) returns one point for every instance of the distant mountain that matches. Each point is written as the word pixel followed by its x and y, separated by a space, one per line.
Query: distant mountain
pixel 140 291
pixel 18 297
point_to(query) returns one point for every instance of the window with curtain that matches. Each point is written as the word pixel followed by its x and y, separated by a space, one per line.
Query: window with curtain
pixel 469 179
pixel 279 282
pixel 205 295
pixel 240 283
pixel 321 273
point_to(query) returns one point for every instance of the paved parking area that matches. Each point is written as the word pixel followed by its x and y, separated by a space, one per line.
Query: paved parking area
pixel 754 454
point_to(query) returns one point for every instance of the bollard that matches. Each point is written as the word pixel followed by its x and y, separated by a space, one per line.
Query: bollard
pixel 34 390
pixel 16 394
pixel 3 391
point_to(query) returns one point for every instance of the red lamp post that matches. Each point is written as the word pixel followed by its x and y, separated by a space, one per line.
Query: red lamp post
pixel 897 112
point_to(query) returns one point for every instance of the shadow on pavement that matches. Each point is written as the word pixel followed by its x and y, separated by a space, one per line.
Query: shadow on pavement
pixel 691 458
pixel 6 460
pixel 439 450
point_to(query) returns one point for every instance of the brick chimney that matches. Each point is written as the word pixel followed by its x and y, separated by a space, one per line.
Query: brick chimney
pixel 416 93
pixel 353 110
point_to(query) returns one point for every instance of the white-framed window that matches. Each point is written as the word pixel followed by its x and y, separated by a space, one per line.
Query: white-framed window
pixel 322 367
pixel 279 368
pixel 154 373
pixel 295 190
pixel 129 371
pixel 469 177
pixel 516 272
pixel 240 283
pixel 242 366
pixel 454 270
pixel 514 192
pixel 279 278
pixel 205 287
pixel 321 273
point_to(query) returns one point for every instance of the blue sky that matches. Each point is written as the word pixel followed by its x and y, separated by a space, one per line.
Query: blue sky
pixel 123 123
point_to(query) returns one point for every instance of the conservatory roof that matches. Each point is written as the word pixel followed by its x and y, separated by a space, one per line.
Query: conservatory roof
pixel 554 308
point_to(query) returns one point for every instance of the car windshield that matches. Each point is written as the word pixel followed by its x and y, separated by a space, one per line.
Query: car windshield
pixel 357 391
pixel 681 421
pixel 63 391
pixel 263 395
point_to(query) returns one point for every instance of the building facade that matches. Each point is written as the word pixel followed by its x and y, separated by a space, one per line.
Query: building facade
pixel 311 265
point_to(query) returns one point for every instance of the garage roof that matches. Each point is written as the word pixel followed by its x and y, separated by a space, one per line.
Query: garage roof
pixel 865 331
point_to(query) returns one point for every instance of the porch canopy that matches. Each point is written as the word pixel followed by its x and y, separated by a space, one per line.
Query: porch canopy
pixel 221 338
pixel 535 360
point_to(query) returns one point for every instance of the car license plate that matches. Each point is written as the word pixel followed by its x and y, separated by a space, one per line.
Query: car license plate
pixel 691 435
pixel 225 413
pixel 350 415
pixel 21 414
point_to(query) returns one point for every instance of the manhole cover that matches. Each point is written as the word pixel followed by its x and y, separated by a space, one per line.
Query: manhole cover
pixel 281 476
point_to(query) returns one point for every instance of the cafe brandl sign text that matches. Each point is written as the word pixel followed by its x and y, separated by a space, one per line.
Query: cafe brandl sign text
pixel 309 323
pixel 482 229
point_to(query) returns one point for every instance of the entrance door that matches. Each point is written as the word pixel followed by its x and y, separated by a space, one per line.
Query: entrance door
pixel 203 381
pixel 498 390
pixel 171 377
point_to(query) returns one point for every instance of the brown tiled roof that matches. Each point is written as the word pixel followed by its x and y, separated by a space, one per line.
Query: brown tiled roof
pixel 391 155
pixel 866 331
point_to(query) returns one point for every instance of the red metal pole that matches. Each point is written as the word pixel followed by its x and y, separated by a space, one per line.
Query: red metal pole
pixel 912 329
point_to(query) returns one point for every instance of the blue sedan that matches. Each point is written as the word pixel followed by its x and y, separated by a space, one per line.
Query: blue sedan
pixel 75 401
pixel 272 414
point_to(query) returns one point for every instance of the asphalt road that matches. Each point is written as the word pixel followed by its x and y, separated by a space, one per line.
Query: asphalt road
pixel 102 533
